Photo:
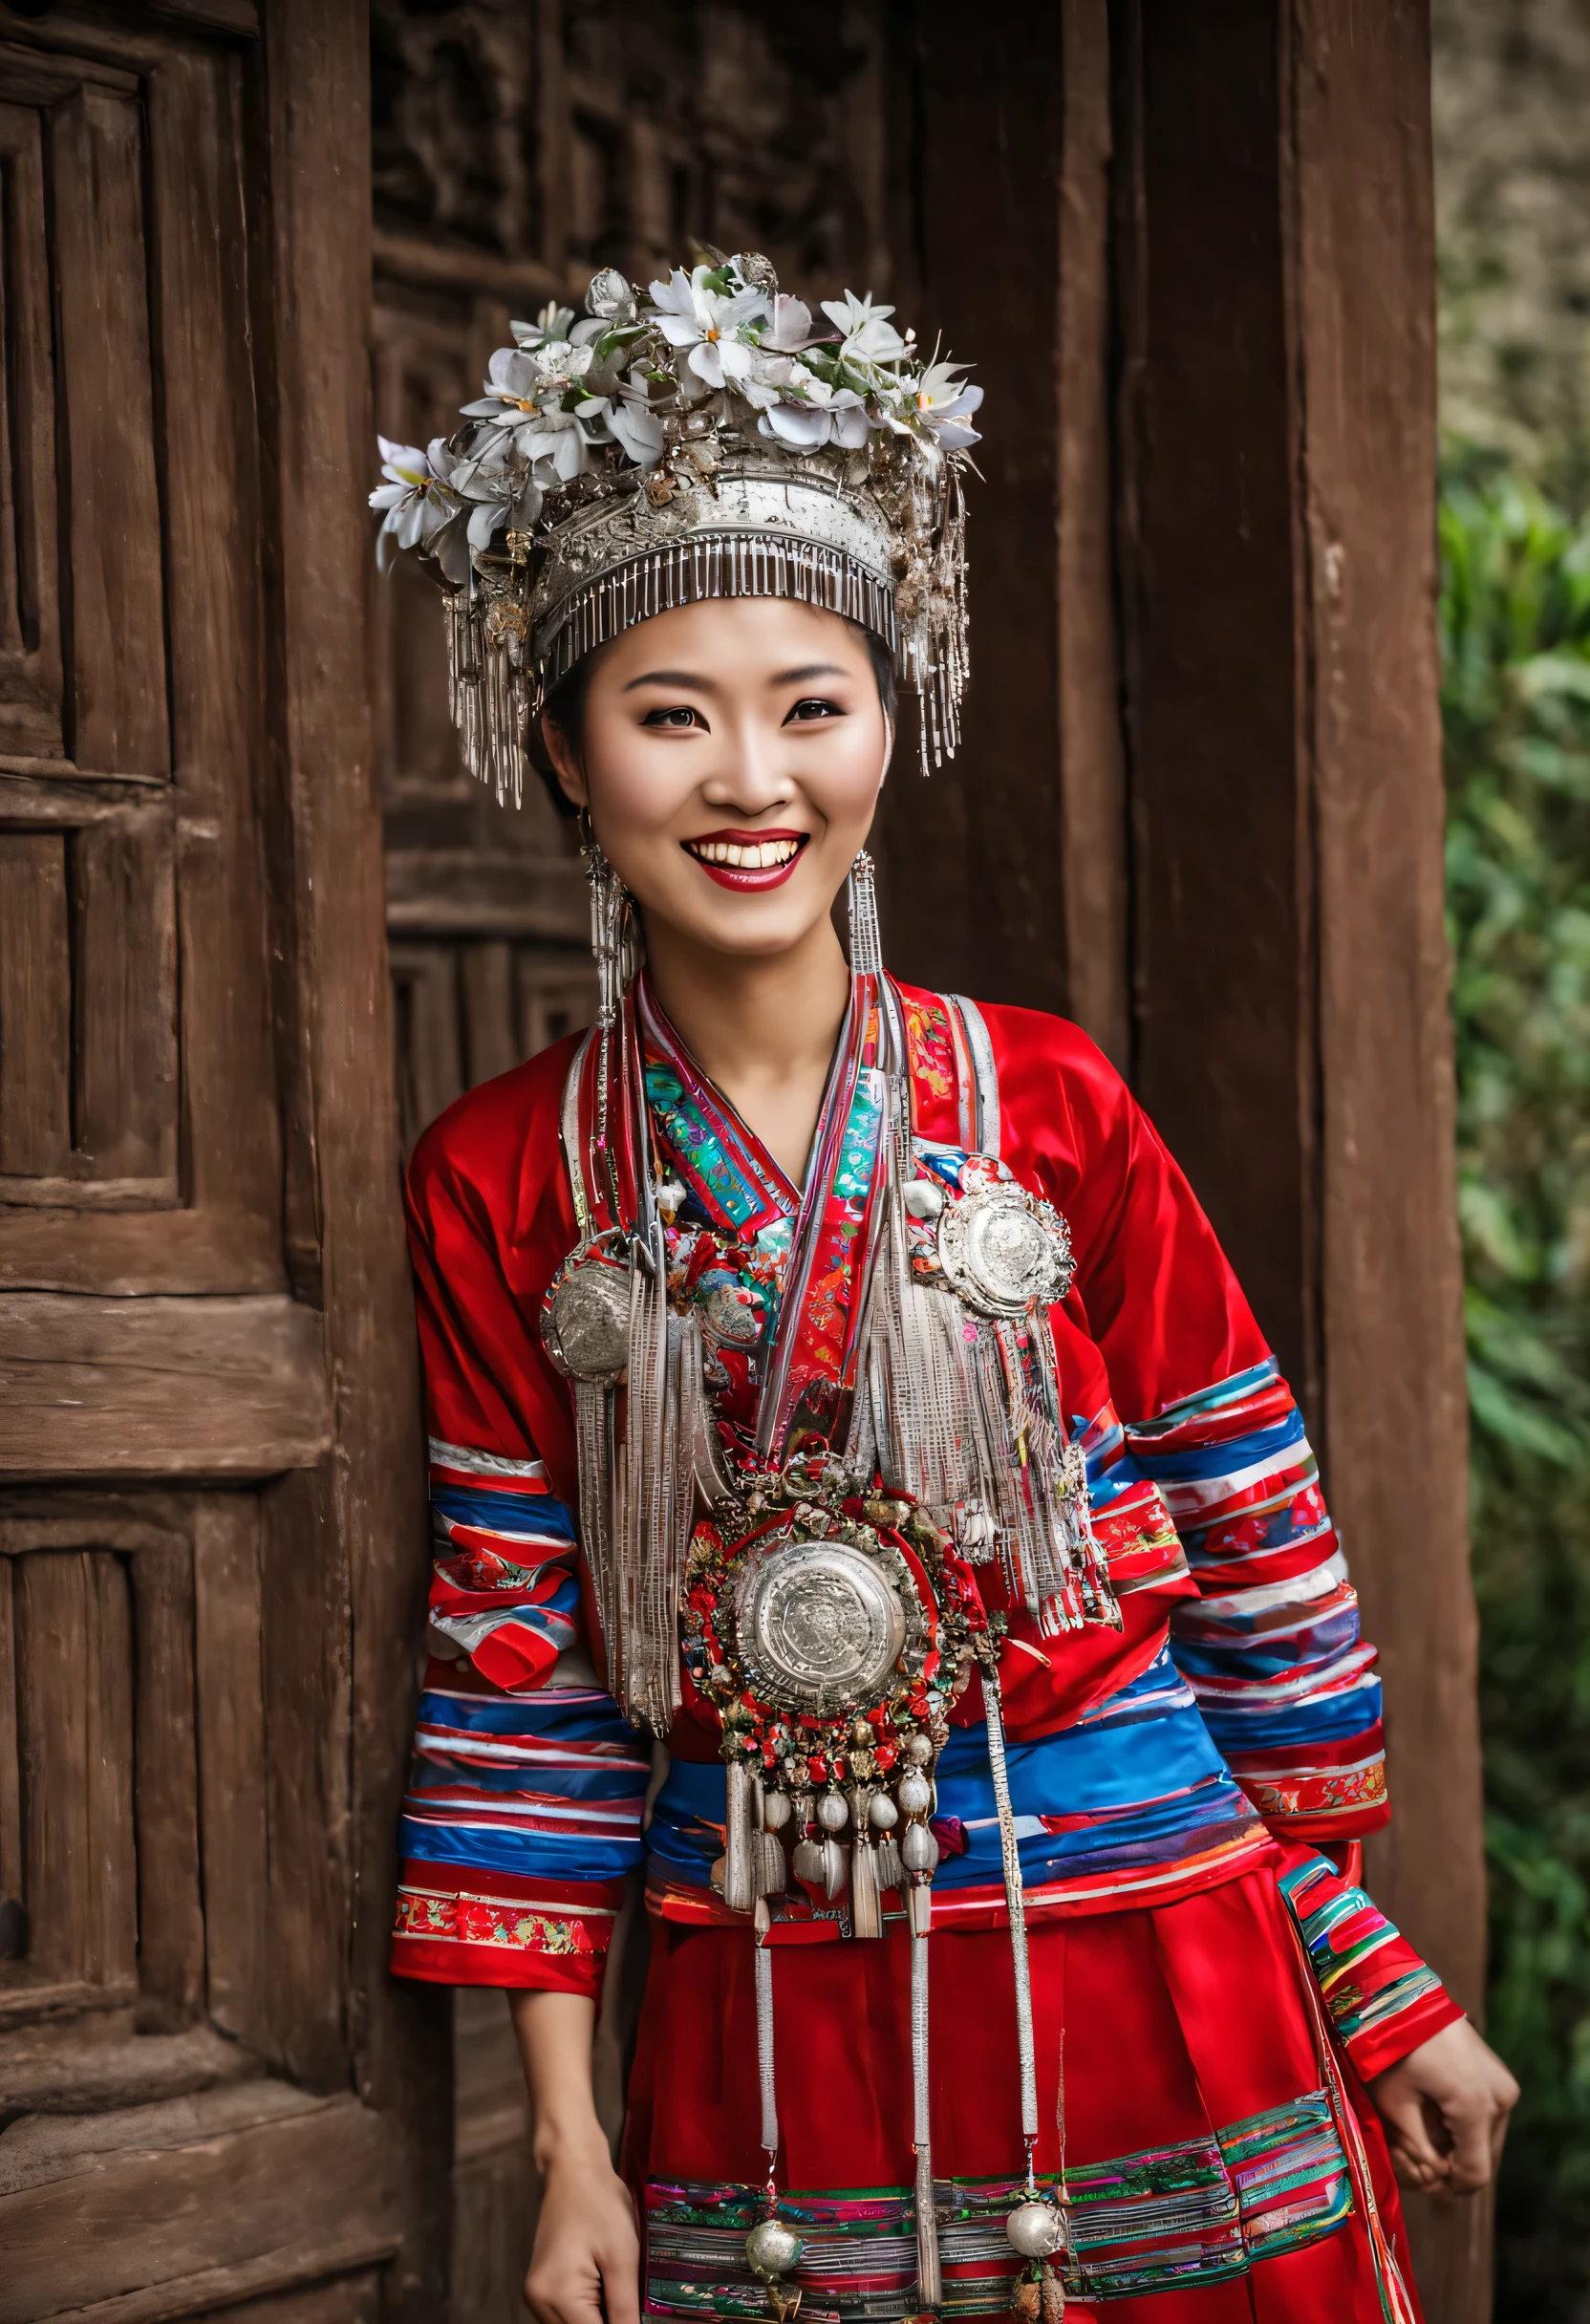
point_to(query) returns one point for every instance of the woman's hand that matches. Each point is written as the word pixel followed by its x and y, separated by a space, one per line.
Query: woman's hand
pixel 1445 2107
pixel 586 2259
pixel 586 2264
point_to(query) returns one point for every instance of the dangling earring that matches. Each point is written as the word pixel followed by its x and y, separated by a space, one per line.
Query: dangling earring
pixel 866 941
pixel 613 937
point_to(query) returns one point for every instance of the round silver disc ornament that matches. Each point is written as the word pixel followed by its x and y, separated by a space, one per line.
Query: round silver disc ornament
pixel 732 1314
pixel 584 1319
pixel 1005 1252
pixel 821 1625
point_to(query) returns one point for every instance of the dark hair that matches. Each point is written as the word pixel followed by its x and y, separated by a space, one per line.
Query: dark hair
pixel 565 707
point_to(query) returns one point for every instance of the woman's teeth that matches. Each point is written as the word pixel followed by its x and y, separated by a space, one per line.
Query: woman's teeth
pixel 758 858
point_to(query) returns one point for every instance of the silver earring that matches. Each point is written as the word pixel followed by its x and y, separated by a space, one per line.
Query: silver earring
pixel 613 933
pixel 865 942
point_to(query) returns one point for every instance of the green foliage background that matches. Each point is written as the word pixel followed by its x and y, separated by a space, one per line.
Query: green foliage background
pixel 1516 632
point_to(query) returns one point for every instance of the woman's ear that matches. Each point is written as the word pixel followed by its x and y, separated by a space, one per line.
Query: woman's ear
pixel 888 748
pixel 566 765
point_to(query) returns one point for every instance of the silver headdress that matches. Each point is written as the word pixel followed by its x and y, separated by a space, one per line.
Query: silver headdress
pixel 700 439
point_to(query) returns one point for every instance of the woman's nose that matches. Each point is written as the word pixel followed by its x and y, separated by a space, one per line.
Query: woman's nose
pixel 751 772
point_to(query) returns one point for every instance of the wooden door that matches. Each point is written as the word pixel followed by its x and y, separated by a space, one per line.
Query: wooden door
pixel 210 1553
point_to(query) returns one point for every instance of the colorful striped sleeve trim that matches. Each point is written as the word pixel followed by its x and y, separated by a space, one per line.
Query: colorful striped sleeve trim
pixel 498 1930
pixel 1382 1998
pixel 521 1819
pixel 1270 1646
pixel 505 1588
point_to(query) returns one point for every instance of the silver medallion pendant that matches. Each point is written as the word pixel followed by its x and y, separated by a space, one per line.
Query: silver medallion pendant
pixel 1003 1251
pixel 585 1317
pixel 822 1625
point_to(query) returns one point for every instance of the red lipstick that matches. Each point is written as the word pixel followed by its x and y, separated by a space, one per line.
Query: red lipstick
pixel 734 859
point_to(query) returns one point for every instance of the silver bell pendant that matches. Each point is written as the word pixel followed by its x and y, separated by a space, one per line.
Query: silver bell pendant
pixel 1036 2233
pixel 773 2250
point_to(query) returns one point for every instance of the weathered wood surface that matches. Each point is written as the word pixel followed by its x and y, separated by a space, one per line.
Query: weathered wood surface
pixel 1395 1395
pixel 345 2298
pixel 1093 858
pixel 35 1005
pixel 448 891
pixel 11 1768
pixel 133 1254
pixel 366 1515
pixel 73 1650
pixel 170 1902
pixel 91 2065
pixel 124 994
pixel 228 1642
pixel 970 861
pixel 214 551
pixel 254 2176
pixel 30 705
pixel 160 1386
pixel 119 712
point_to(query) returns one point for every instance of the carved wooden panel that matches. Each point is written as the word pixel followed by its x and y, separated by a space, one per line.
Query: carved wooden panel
pixel 135 1077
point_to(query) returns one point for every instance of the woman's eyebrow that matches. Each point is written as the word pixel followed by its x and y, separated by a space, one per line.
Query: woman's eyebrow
pixel 672 678
pixel 815 669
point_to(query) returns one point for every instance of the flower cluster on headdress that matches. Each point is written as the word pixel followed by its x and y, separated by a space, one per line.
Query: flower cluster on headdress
pixel 646 379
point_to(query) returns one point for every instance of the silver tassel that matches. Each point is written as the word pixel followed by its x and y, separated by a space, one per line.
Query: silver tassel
pixel 764 2054
pixel 866 1906
pixel 740 1888
pixel 930 2286
pixel 1015 1909
pixel 890 1873
pixel 767 1857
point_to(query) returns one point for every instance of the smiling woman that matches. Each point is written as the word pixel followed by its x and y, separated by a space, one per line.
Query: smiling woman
pixel 835 1390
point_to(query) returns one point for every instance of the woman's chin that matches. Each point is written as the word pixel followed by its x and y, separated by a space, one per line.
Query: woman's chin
pixel 744 926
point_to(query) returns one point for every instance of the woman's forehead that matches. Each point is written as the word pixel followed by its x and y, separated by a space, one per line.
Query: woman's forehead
pixel 738 637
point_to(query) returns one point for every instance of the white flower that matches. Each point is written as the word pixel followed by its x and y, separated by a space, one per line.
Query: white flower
pixel 865 332
pixel 691 317
pixel 945 402
pixel 497 496
pixel 791 327
pixel 523 381
pixel 636 427
pixel 810 414
pixel 553 322
pixel 511 390
pixel 417 496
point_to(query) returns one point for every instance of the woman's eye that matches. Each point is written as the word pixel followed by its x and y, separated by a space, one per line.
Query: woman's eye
pixel 814 707
pixel 680 714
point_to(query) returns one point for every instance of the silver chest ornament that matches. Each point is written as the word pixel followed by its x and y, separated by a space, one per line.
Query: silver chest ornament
pixel 1005 1252
pixel 585 1315
pixel 831 1626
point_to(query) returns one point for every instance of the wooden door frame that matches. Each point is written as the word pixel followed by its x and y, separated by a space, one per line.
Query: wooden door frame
pixel 365 1508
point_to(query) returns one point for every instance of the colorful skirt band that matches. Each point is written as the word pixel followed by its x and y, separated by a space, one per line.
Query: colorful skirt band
pixel 1173 2218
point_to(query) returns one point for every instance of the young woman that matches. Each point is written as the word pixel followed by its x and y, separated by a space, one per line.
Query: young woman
pixel 860 1487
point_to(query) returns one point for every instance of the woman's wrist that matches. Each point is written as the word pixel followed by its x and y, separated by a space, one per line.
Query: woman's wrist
pixel 574 2139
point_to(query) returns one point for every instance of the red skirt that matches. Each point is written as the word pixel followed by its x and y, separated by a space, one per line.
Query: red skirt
pixel 1203 2130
